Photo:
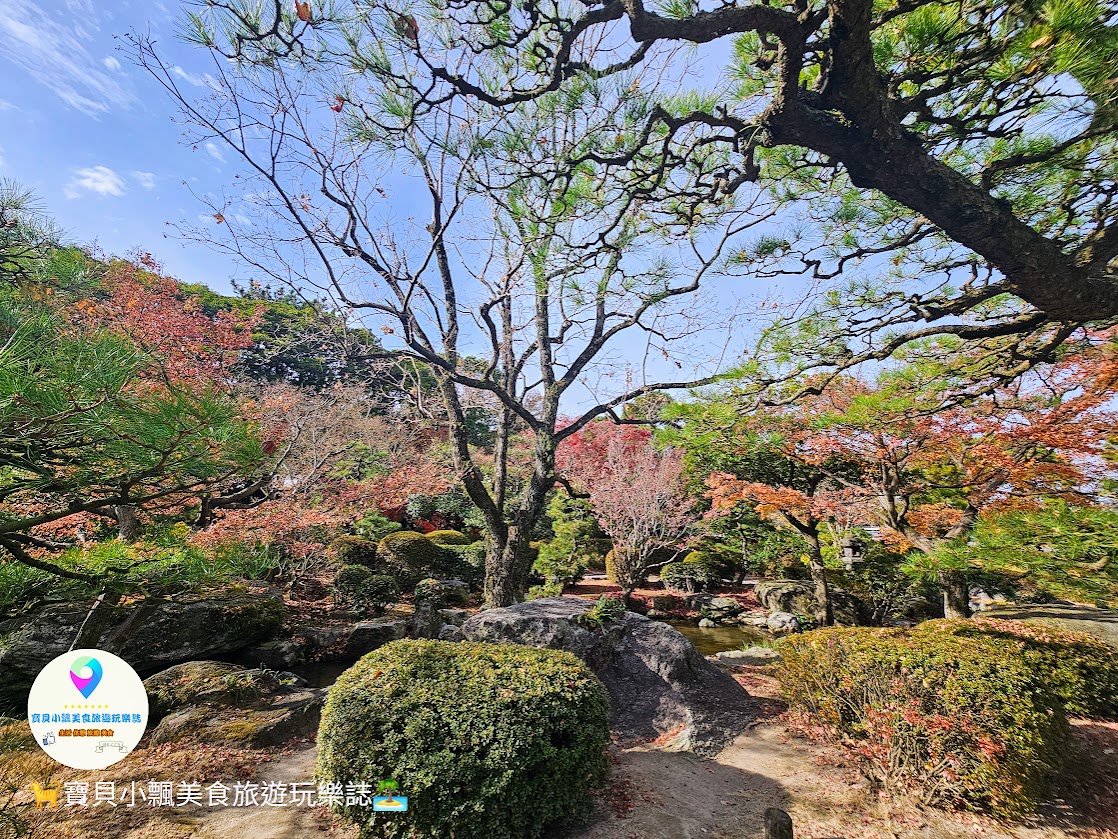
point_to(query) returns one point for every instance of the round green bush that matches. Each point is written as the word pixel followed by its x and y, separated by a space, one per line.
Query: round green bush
pixel 957 719
pixel 347 580
pixel 412 556
pixel 354 550
pixel 688 576
pixel 449 537
pixel 716 566
pixel 487 741
pixel 375 593
pixel 430 591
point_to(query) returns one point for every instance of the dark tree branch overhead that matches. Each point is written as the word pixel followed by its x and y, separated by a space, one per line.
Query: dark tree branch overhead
pixel 942 138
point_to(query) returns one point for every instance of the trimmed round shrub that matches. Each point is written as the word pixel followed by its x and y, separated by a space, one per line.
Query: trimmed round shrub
pixel 412 556
pixel 347 580
pixel 716 565
pixel 956 719
pixel 688 576
pixel 468 564
pixel 449 537
pixel 375 594
pixel 430 591
pixel 354 550
pixel 488 741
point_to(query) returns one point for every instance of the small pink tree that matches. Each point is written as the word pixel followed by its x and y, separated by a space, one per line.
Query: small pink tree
pixel 636 490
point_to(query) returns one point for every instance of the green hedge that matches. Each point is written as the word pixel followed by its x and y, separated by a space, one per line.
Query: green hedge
pixel 354 550
pixel 698 570
pixel 487 741
pixel 411 556
pixel 1079 670
pixel 959 719
pixel 450 537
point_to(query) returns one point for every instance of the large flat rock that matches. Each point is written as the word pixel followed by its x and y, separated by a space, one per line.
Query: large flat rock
pixel 660 687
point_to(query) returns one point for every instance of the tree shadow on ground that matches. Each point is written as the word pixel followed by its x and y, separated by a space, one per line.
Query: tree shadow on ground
pixel 675 795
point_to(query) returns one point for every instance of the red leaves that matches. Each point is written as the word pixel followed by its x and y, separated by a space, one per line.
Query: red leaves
pixel 338 105
pixel 303 11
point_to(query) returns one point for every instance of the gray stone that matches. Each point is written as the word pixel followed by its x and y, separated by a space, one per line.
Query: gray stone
pixel 707 623
pixel 453 616
pixel 753 619
pixel 756 656
pixel 277 654
pixel 782 623
pixel 149 636
pixel 798 597
pixel 659 685
pixel 450 632
pixel 425 621
pixel 367 636
pixel 720 609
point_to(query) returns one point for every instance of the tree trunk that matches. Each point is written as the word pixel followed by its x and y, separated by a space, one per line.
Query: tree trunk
pixel 824 612
pixel 506 566
pixel 127 523
pixel 956 594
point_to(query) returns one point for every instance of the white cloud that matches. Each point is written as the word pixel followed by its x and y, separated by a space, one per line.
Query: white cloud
pixel 214 152
pixel 52 52
pixel 190 78
pixel 5 105
pixel 99 179
pixel 1 157
pixel 145 179
pixel 111 63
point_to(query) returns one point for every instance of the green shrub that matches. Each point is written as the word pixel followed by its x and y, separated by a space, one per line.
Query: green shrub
pixel 374 525
pixel 550 588
pixel 347 580
pixel 449 537
pixel 375 594
pixel 560 561
pixel 430 591
pixel 487 741
pixel 688 575
pixel 606 610
pixel 956 719
pixel 715 564
pixel 1078 669
pixel 412 556
pixel 467 563
pixel 354 550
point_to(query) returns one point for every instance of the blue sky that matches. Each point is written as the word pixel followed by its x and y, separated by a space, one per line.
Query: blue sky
pixel 95 138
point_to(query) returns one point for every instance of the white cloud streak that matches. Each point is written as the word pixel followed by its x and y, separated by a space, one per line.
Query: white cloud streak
pixel 53 53
pixel 145 179
pixel 98 179
pixel 213 151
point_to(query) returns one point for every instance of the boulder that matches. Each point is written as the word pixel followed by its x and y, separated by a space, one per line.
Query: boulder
pixel 450 632
pixel 754 619
pixel 453 616
pixel 149 635
pixel 277 654
pixel 367 636
pixel 798 597
pixel 720 609
pixel 706 623
pixel 224 704
pixel 664 602
pixel 755 656
pixel 782 623
pixel 659 685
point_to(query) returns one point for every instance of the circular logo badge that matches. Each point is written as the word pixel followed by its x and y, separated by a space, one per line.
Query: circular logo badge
pixel 88 709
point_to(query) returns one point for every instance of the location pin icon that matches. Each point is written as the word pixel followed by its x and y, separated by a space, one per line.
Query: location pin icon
pixel 86 684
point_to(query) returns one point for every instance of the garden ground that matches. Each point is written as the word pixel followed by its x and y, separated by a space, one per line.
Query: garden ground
pixel 656 794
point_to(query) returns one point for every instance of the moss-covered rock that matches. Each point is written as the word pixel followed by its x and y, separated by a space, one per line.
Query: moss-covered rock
pixel 487 741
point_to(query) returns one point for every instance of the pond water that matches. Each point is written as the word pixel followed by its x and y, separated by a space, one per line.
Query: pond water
pixel 720 638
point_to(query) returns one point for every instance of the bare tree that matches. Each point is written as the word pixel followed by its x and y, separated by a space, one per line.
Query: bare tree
pixel 540 261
